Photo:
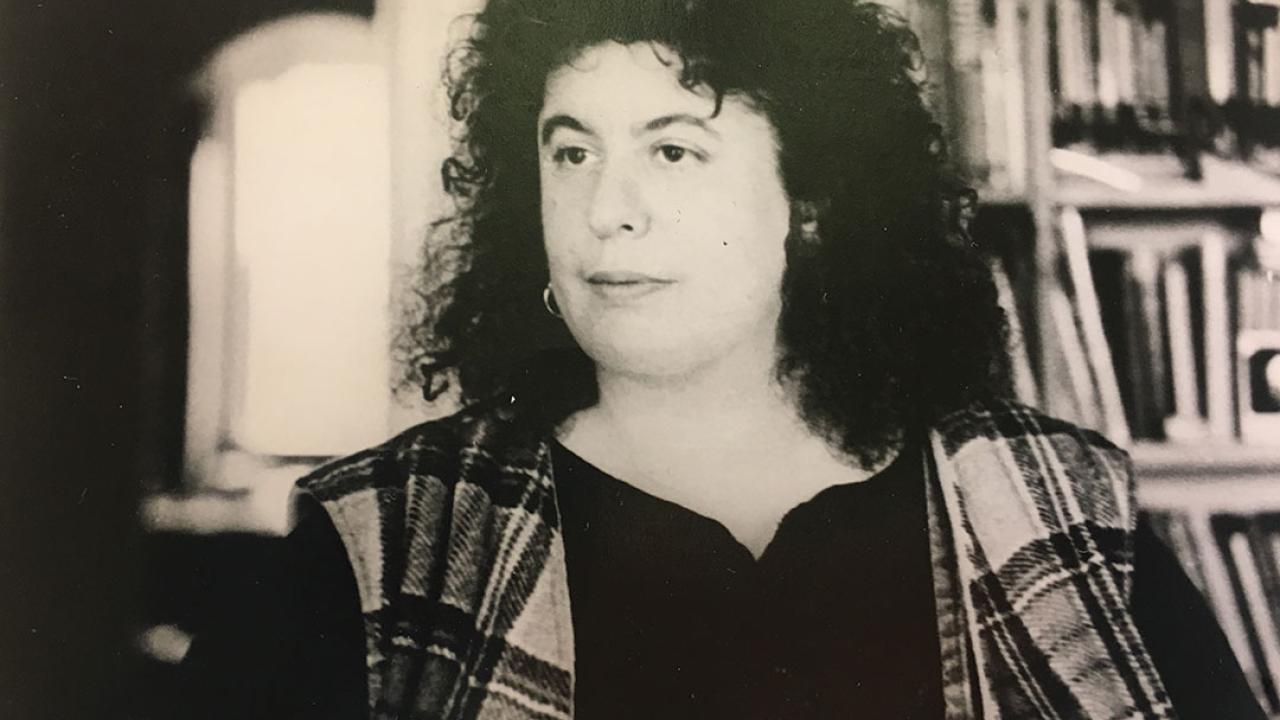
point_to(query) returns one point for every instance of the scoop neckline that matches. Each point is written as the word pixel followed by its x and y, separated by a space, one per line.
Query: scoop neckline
pixel 877 483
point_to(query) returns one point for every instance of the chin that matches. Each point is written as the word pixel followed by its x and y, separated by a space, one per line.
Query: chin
pixel 645 356
pixel 667 345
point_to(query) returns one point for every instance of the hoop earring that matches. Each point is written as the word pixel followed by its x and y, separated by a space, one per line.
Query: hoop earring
pixel 804 226
pixel 549 302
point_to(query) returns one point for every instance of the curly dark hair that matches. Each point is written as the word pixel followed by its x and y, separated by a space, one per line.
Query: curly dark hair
pixel 889 321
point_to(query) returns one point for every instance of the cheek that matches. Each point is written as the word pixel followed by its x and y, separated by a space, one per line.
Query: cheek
pixel 769 222
pixel 744 240
pixel 556 229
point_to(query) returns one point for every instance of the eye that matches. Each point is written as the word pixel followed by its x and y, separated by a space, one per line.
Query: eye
pixel 570 155
pixel 672 153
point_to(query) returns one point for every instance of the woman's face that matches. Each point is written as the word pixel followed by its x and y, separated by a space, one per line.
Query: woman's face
pixel 664 224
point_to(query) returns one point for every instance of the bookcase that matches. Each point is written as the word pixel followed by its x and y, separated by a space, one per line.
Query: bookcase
pixel 1127 154
pixel 1131 204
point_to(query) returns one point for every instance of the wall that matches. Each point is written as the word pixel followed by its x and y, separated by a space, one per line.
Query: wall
pixel 86 98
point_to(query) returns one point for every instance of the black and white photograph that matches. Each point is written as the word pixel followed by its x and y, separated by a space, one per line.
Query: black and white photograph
pixel 640 359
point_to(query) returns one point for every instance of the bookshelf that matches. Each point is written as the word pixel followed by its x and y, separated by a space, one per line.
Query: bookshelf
pixel 1164 188
pixel 1158 461
pixel 1149 184
pixel 1130 134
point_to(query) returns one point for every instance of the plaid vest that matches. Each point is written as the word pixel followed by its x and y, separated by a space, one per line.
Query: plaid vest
pixel 453 533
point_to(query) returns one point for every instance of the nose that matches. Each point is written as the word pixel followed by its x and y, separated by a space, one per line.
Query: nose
pixel 618 207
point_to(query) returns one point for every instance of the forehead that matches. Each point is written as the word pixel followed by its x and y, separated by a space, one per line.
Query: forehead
pixel 615 83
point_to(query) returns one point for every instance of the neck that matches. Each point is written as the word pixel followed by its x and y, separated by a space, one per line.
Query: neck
pixel 709 409
pixel 727 442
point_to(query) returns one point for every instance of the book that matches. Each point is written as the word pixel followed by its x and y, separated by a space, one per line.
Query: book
pixel 1184 422
pixel 1152 61
pixel 1002 104
pixel 1109 268
pixel 1219 400
pixel 1075 363
pixel 1246 576
pixel 1127 283
pixel 1147 337
pixel 1076 249
pixel 1076 74
pixel 1247 542
pixel 1024 381
pixel 1213 535
pixel 1246 300
pixel 968 127
pixel 1183 517
pixel 1257 300
pixel 1118 26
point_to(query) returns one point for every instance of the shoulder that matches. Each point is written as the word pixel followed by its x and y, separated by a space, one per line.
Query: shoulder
pixel 1046 460
pixel 479 434
pixel 450 477
pixel 1005 422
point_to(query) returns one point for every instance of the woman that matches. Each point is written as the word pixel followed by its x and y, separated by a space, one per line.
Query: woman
pixel 734 444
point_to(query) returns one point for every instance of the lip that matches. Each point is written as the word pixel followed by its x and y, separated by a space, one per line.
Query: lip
pixel 624 277
pixel 618 285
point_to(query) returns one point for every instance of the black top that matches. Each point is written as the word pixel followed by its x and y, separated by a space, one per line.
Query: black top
pixel 835 619
pixel 673 617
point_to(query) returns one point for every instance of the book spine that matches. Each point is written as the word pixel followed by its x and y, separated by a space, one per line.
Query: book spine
pixel 966 35
pixel 1075 245
pixel 1185 423
pixel 1074 61
pixel 1225 601
pixel 1247 297
pixel 1075 360
pixel 1109 62
pixel 1145 342
pixel 1009 40
pixel 1024 381
pixel 1254 598
pixel 1217 337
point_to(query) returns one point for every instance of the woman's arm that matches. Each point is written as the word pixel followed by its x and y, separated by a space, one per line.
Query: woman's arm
pixel 292 648
pixel 1190 652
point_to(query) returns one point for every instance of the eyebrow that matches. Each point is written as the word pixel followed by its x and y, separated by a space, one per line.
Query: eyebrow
pixel 678 118
pixel 555 122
